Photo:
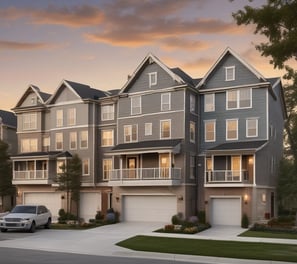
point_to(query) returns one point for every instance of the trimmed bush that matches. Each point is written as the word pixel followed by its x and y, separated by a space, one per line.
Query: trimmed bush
pixel 177 219
pixel 244 221
pixel 201 217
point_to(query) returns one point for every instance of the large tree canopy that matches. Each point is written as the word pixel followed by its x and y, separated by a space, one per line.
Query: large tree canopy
pixel 277 21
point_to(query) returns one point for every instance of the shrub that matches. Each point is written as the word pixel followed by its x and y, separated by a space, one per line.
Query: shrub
pixel 177 219
pixel 169 228
pixel 99 215
pixel 244 221
pixel 201 217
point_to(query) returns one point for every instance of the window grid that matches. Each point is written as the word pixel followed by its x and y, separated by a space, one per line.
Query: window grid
pixel 73 140
pixel 130 133
pixel 59 141
pixel 192 131
pixel 231 129
pixel 192 103
pixel 209 102
pixel 148 129
pixel 230 73
pixel 107 167
pixel 165 102
pixel 135 105
pixel 71 117
pixel 84 139
pixel 59 118
pixel 85 167
pixel 252 127
pixel 152 78
pixel 239 99
pixel 165 129
pixel 107 112
pixel 210 130
pixel 30 121
pixel 107 138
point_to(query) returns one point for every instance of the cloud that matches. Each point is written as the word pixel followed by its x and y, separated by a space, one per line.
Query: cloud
pixel 177 43
pixel 14 45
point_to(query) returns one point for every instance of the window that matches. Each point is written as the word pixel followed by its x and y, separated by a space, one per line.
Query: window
pixel 73 140
pixel 107 138
pixel 59 141
pixel 209 130
pixel 231 129
pixel 29 145
pixel 107 167
pixel 71 117
pixel 152 78
pixel 45 144
pixel 240 98
pixel 192 167
pixel 107 112
pixel 148 129
pixel 84 139
pixel 252 127
pixel 30 121
pixel 209 102
pixel 135 105
pixel 61 166
pixel 192 131
pixel 59 118
pixel 165 128
pixel 85 167
pixel 193 103
pixel 130 133
pixel 230 73
pixel 165 102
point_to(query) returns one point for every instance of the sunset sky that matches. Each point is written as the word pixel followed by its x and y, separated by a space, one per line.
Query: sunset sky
pixel 101 42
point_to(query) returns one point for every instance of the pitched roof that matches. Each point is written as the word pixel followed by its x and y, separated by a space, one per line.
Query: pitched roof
pixel 187 78
pixel 43 154
pixel 244 145
pixel 226 52
pixel 151 146
pixel 8 118
pixel 148 59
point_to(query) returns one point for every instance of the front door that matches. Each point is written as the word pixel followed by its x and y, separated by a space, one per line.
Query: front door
pixel 164 165
pixel 132 166
pixel 235 163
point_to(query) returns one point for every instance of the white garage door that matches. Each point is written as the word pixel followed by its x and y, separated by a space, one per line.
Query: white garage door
pixel 90 203
pixel 51 200
pixel 226 211
pixel 146 208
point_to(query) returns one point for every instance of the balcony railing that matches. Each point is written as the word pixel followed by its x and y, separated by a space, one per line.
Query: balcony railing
pixel 30 175
pixel 143 176
pixel 224 176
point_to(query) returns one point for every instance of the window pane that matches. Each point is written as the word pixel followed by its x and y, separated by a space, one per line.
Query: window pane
pixel 230 73
pixel 210 131
pixel 192 131
pixel 165 102
pixel 209 102
pixel 252 127
pixel 73 140
pixel 107 167
pixel 148 129
pixel 59 141
pixel 59 118
pixel 107 138
pixel 85 167
pixel 29 121
pixel 71 117
pixel 192 103
pixel 84 139
pixel 231 129
pixel 245 98
pixel 107 112
pixel 165 129
pixel 135 105
pixel 232 99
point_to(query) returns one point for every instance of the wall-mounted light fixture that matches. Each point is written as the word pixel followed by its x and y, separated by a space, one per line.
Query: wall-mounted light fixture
pixel 117 198
pixel 19 193
pixel 180 197
pixel 245 198
pixel 264 197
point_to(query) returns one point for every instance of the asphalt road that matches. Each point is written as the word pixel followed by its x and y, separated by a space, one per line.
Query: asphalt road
pixel 22 256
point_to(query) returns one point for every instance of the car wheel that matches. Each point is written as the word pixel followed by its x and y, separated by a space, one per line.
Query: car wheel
pixel 32 228
pixel 48 224
pixel 3 230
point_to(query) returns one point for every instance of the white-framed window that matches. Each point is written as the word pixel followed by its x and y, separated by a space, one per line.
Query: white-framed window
pixel 30 121
pixel 59 118
pixel 251 127
pixel 192 131
pixel 165 131
pixel 85 167
pixel 84 139
pixel 209 130
pixel 152 78
pixel 130 133
pixel 60 166
pixel 148 129
pixel 230 73
pixel 59 141
pixel 107 138
pixel 71 117
pixel 136 105
pixel 46 143
pixel 231 129
pixel 192 167
pixel 73 140
pixel 107 112
pixel 209 102
pixel 165 102
pixel 29 145
pixel 240 98
pixel 192 103
pixel 107 167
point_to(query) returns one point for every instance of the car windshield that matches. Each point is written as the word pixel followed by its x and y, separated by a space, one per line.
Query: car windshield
pixel 24 210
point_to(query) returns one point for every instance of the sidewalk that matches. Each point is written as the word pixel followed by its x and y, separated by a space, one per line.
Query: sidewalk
pixel 101 242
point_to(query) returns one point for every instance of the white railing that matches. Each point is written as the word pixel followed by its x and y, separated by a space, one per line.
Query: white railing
pixel 30 175
pixel 226 176
pixel 145 174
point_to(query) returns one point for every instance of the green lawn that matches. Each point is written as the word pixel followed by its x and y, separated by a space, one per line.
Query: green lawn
pixel 214 248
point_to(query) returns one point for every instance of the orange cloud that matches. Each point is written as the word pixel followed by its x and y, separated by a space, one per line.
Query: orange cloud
pixel 173 43
pixel 14 45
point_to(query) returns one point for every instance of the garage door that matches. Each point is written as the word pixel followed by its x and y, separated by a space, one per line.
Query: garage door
pixel 146 208
pixel 225 211
pixel 51 200
pixel 90 203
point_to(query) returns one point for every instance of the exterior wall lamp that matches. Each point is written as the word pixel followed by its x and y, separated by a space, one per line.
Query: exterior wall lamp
pixel 180 197
pixel 117 198
pixel 245 198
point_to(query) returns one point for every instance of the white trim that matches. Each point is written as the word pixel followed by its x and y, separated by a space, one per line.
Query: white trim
pixel 227 69
pixel 130 127
pixel 72 133
pixel 165 120
pixel 150 114
pixel 153 79
pixel 106 130
pixel 213 121
pixel 165 103
pixel 247 127
pixel 231 119
pixel 148 131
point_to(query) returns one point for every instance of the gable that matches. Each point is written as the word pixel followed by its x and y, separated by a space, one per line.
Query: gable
pixel 243 75
pixel 64 94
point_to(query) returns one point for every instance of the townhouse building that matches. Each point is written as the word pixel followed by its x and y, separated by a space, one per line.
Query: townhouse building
pixel 163 144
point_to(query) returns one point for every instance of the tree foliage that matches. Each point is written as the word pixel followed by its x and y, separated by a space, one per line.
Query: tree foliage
pixel 6 187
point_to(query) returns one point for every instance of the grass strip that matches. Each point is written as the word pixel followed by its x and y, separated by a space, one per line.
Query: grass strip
pixel 214 248
pixel 266 234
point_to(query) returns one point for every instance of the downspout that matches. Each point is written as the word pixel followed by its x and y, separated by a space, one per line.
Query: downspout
pixel 94 151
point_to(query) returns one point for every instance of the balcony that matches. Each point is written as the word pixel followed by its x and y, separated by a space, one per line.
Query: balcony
pixel 30 177
pixel 145 177
pixel 227 176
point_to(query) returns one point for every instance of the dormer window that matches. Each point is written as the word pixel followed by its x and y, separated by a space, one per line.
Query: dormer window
pixel 230 73
pixel 152 78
